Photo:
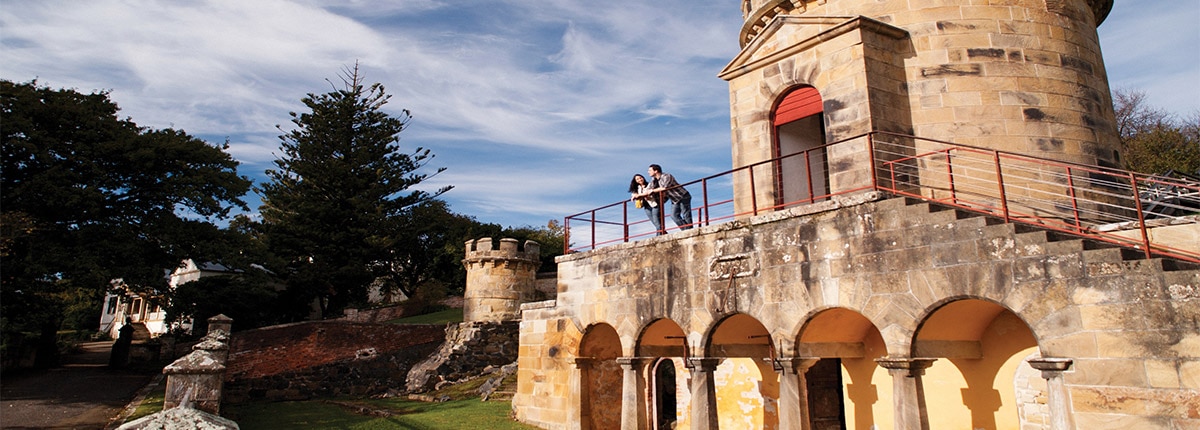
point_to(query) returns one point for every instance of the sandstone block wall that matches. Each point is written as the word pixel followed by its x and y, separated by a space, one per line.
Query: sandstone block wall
pixel 1024 76
pixel 468 349
pixel 499 279
pixel 1128 324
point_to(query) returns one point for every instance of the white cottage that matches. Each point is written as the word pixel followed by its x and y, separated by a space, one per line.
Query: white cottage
pixel 141 310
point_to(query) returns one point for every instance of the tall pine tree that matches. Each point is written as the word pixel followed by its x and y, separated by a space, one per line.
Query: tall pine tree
pixel 331 206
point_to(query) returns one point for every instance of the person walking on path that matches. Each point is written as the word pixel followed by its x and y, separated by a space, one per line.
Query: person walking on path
pixel 644 199
pixel 681 199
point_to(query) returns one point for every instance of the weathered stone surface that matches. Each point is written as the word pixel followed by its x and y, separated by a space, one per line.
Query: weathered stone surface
pixel 1110 330
pixel 469 347
pixel 181 418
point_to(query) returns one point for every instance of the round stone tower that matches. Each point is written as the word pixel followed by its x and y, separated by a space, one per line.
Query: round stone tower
pixel 499 280
pixel 1023 76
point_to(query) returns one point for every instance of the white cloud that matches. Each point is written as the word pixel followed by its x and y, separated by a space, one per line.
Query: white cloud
pixel 539 107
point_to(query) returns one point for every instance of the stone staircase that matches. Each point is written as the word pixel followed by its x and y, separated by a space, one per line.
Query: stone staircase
pixel 1053 242
pixel 140 332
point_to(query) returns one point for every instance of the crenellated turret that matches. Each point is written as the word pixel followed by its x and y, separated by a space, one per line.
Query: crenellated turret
pixel 499 279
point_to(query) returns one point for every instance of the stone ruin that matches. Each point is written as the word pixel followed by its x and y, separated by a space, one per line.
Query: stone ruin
pixel 498 282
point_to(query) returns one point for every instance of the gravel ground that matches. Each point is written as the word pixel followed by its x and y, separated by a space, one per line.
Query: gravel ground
pixel 81 394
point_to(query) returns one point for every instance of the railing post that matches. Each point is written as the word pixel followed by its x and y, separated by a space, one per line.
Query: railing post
pixel 566 235
pixel 753 193
pixel 593 229
pixel 625 219
pixel 704 206
pixel 950 174
pixel 871 161
pixel 1074 200
pixel 1000 181
pixel 808 170
pixel 1137 203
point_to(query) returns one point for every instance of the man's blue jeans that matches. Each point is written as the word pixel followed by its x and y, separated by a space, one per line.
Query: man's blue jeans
pixel 681 212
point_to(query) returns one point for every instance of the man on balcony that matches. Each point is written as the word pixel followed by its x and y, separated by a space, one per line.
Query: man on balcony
pixel 681 199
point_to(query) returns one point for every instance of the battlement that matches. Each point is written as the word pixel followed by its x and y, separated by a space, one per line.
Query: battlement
pixel 485 249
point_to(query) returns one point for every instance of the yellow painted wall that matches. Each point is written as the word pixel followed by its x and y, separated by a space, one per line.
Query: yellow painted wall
pixel 944 386
pixel 867 388
pixel 979 393
pixel 744 399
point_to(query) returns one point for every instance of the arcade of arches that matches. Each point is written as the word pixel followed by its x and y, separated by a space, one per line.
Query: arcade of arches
pixel 882 314
pixel 976 348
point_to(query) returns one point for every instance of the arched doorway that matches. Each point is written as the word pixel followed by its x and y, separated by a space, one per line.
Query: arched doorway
pixel 799 136
pixel 982 347
pixel 747 385
pixel 846 388
pixel 666 411
pixel 665 340
pixel 600 378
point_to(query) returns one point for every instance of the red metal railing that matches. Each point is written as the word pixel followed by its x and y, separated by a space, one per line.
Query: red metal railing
pixel 1094 202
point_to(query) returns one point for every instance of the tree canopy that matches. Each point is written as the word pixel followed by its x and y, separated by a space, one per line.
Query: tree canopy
pixel 89 197
pixel 1154 141
pixel 332 206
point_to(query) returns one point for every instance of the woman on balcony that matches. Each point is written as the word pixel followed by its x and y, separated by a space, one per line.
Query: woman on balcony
pixel 638 190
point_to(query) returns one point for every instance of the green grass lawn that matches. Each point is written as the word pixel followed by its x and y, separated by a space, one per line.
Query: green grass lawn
pixel 153 403
pixel 367 414
pixel 452 315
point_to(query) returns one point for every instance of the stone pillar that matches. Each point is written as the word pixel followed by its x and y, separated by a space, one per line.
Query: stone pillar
pixel 907 391
pixel 216 344
pixel 704 393
pixel 633 393
pixel 195 379
pixel 580 413
pixel 793 393
pixel 220 322
pixel 1056 391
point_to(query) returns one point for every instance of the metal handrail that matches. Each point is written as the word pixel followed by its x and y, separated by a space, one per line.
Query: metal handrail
pixel 1082 200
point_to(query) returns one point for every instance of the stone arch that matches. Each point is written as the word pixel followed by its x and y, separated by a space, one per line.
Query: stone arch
pixel 600 376
pixel 745 379
pixel 664 344
pixel 844 381
pixel 663 337
pixel 980 346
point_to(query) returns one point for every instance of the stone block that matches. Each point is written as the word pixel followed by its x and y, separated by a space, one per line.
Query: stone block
pixel 1163 374
pixel 1101 420
pixel 1120 372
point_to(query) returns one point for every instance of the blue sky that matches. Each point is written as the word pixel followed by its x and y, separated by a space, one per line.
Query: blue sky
pixel 539 109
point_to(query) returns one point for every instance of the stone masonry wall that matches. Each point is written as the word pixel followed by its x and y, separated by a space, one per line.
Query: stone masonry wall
pixel 302 360
pixel 468 348
pixel 1128 324
pixel 1023 76
pixel 499 279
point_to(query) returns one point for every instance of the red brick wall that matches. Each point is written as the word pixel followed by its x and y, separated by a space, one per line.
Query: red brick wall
pixel 291 348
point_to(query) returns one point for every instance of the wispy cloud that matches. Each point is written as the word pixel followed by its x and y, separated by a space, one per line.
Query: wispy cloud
pixel 539 108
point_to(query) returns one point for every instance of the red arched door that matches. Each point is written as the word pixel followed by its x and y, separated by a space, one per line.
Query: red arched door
pixel 800 137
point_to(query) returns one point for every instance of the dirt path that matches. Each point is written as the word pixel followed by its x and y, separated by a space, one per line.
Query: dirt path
pixel 82 394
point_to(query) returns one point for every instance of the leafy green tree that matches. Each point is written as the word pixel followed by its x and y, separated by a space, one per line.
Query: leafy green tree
pixel 550 238
pixel 331 204
pixel 247 298
pixel 428 244
pixel 1153 140
pixel 89 197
